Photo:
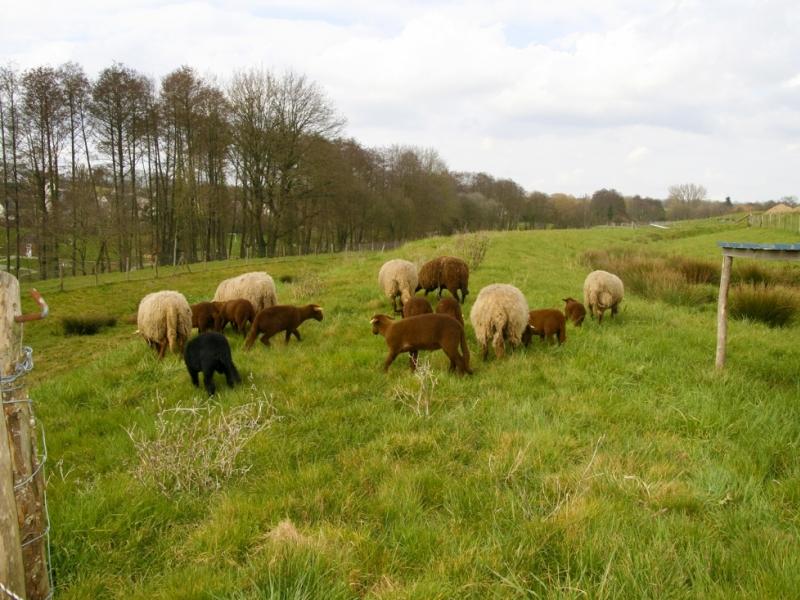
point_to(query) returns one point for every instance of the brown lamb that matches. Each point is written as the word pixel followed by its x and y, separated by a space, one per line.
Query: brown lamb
pixel 240 312
pixel 280 317
pixel 450 306
pixel 204 315
pixel 546 323
pixel 416 306
pixel 423 332
pixel 574 311
pixel 445 273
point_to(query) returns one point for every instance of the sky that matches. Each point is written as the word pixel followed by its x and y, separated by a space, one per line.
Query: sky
pixel 569 96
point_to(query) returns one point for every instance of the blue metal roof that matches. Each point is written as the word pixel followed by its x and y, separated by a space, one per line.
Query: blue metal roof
pixel 751 246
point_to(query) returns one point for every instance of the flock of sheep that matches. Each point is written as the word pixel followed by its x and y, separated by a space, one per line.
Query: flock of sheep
pixel 500 312
pixel 249 302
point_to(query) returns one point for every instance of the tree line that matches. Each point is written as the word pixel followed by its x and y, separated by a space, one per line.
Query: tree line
pixel 122 170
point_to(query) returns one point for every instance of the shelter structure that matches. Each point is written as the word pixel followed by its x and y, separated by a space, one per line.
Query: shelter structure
pixel 731 250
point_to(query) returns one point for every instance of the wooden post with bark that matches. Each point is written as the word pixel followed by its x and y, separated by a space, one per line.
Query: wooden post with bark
pixel 23 532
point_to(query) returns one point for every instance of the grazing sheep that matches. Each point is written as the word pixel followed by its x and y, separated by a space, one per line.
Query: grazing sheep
pixel 445 272
pixel 574 311
pixel 398 277
pixel 450 306
pixel 455 277
pixel 240 312
pixel 546 323
pixel 500 313
pixel 257 287
pixel 204 316
pixel 275 319
pixel 210 352
pixel 164 319
pixel 423 332
pixel 416 306
pixel 602 290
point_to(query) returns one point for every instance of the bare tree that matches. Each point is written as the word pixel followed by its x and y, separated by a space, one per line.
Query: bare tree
pixel 274 122
pixel 44 122
pixel 687 192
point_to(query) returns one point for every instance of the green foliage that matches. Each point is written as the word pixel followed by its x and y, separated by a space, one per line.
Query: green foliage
pixel 619 465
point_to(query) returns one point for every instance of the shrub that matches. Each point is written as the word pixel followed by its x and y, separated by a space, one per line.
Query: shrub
pixel 86 325
pixel 748 272
pixel 775 306
pixel 472 248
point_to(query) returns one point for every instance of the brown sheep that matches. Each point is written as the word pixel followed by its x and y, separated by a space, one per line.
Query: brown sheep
pixel 204 315
pixel 546 323
pixel 450 306
pixel 445 272
pixel 240 312
pixel 416 306
pixel 574 311
pixel 423 332
pixel 281 317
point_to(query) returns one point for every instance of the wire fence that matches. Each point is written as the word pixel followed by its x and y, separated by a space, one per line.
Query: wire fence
pixel 789 221
pixel 10 383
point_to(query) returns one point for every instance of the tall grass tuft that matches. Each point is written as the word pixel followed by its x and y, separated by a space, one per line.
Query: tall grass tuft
pixel 694 270
pixel 86 325
pixel 774 305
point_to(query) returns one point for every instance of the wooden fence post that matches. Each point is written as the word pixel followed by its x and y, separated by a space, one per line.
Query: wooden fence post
pixel 722 311
pixel 19 443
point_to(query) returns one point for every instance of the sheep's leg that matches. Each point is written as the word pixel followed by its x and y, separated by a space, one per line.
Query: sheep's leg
pixel 195 378
pixel 613 310
pixel 412 359
pixel 162 348
pixel 389 360
pixel 288 335
pixel 499 345
pixel 265 339
pixel 296 334
pixel 485 351
pixel 208 381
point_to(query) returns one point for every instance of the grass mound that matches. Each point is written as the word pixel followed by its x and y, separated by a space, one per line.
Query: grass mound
pixel 86 325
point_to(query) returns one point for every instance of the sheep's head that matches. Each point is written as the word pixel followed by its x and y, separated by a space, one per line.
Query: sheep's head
pixel 527 334
pixel 379 322
pixel 316 312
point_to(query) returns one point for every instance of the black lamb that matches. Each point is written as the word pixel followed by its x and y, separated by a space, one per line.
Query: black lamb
pixel 210 352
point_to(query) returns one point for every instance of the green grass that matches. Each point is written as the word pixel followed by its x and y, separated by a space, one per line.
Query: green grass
pixel 619 465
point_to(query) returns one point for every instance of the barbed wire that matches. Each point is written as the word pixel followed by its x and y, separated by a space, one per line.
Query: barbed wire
pixel 8 383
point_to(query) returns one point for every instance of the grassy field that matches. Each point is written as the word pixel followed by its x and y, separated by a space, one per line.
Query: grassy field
pixel 619 465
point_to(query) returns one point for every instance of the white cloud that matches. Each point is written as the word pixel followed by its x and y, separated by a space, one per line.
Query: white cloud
pixel 569 96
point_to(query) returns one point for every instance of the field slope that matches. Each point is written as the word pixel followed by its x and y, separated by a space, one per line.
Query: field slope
pixel 616 466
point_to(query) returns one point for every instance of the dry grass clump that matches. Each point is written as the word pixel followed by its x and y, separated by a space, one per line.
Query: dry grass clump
pixel 196 448
pixel 419 398
pixel 472 248
pixel 307 286
pixel 777 306
pixel 86 325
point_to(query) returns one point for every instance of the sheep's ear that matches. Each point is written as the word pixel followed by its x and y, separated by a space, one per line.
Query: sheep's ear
pixel 373 320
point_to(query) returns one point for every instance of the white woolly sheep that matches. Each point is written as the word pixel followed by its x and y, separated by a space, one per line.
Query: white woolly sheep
pixel 500 313
pixel 398 277
pixel 602 290
pixel 257 287
pixel 164 319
